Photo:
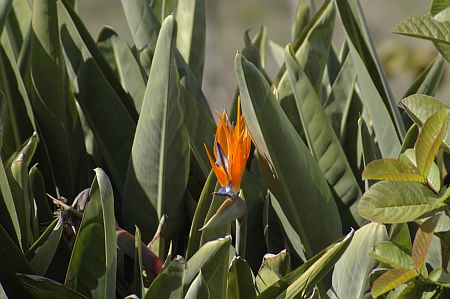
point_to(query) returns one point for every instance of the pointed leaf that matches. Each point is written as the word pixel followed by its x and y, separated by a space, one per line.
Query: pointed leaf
pixel 92 267
pixel 391 279
pixel 273 268
pixel 198 289
pixel 159 163
pixel 430 138
pixel 422 241
pixel 322 141
pixel 390 254
pixel 231 209
pixel 286 178
pixel 397 202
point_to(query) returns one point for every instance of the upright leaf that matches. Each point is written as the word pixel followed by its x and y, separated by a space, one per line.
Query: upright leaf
pixel 322 141
pixel 169 283
pixel 273 268
pixel 92 267
pixel 159 163
pixel 286 178
pixel 240 280
pixel 191 37
pixel 52 102
pixel 198 288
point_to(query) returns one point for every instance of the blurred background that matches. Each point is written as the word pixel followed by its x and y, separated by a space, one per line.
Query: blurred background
pixel 227 21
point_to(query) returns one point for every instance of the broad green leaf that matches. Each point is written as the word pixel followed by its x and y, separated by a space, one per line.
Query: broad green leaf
pixel 430 139
pixel 198 289
pixel 128 69
pixel 273 268
pixel 113 131
pixel 421 107
pixel 322 141
pixel 277 53
pixel 44 213
pixel 43 250
pixel 338 102
pixel 397 202
pixel 305 283
pixel 424 27
pixel 369 150
pixel 390 254
pixel 213 261
pixel 169 283
pixel 260 41
pixel 372 79
pixel 18 23
pixel 391 279
pixel 231 209
pixel 44 288
pixel 351 272
pixel 440 10
pixel 434 176
pixel 159 162
pixel 392 170
pixel 400 236
pixel 410 138
pixel 92 267
pixel 285 175
pixel 240 280
pixel 191 36
pixel 201 211
pixel 143 24
pixel 422 241
pixel 13 261
pixel 429 80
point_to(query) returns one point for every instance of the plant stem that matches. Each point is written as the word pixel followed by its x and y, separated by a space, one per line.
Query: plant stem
pixel 241 232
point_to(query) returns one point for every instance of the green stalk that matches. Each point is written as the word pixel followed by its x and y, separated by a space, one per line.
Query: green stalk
pixel 241 231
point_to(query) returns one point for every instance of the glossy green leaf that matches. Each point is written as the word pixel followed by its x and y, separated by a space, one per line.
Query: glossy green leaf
pixel 169 283
pixel 159 163
pixel 198 289
pixel 53 105
pixel 351 272
pixel 92 267
pixel 43 250
pixel 240 280
pixel 5 7
pixel 397 202
pixel 216 232
pixel 286 178
pixel 322 141
pixel 201 211
pixel 430 139
pixel 273 268
pixel 213 261
pixel 143 24
pixel 303 14
pixel 231 209
pixel 277 53
pixel 390 254
pixel 88 73
pixel 19 20
pixel 424 27
pixel 128 69
pixel 392 170
pixel 434 176
pixel 422 241
pixel 391 279
pixel 44 288
pixel 191 36
pixel 372 79
pixel 314 273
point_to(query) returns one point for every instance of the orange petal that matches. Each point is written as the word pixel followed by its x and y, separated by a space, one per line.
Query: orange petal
pixel 218 170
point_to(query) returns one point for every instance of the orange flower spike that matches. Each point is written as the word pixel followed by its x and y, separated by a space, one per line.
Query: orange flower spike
pixel 231 150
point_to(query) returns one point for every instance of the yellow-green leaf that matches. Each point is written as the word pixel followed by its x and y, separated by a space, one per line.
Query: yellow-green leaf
pixel 392 170
pixel 391 279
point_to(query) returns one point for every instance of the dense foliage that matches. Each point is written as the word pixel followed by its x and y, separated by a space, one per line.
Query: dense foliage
pixel 107 190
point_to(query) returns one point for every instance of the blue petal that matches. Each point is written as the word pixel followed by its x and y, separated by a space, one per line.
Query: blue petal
pixel 225 191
